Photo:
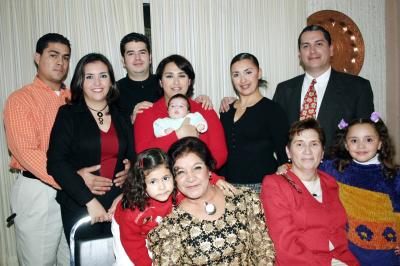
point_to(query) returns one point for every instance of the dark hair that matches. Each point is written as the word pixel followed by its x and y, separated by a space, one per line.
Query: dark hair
pixel 79 77
pixel 134 188
pixel 343 158
pixel 254 60
pixel 326 34
pixel 183 64
pixel 44 41
pixel 300 126
pixel 188 145
pixel 179 95
pixel 134 37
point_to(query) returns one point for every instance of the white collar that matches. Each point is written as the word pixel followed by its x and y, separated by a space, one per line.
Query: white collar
pixel 321 79
pixel 373 160
pixel 314 187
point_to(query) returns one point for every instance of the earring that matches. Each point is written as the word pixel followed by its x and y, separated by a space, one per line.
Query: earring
pixel 209 175
pixel 289 160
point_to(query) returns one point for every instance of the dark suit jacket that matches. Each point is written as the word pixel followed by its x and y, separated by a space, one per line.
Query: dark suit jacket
pixel 74 144
pixel 346 97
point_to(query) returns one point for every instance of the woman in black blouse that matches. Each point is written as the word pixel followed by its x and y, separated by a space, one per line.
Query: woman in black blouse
pixel 255 127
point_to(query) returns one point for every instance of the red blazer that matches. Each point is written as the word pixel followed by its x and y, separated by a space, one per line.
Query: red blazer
pixel 214 137
pixel 300 226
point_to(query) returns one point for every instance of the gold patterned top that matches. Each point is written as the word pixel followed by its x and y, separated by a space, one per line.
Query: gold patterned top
pixel 238 237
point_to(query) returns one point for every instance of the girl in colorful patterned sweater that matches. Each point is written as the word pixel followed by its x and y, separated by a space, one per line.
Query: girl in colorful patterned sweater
pixel 369 190
pixel 147 198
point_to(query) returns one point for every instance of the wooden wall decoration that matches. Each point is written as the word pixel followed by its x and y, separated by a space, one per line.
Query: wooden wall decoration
pixel 347 41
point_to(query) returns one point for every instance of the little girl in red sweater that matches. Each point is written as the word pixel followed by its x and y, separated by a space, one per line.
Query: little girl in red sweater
pixel 147 198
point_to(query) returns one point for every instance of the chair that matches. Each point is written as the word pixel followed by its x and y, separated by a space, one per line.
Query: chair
pixel 87 252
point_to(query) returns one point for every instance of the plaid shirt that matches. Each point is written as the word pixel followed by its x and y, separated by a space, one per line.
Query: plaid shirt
pixel 29 116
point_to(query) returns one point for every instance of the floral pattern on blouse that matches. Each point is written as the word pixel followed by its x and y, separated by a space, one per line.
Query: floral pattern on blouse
pixel 390 234
pixel 364 232
pixel 238 237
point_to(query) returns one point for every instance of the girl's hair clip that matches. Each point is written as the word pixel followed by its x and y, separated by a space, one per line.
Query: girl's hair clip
pixel 140 165
pixel 342 125
pixel 375 117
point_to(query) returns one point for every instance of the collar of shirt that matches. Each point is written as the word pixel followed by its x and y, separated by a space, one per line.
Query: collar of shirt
pixel 373 160
pixel 320 86
pixel 63 89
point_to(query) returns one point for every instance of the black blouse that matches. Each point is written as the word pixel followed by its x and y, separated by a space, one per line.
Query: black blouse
pixel 253 140
pixel 75 143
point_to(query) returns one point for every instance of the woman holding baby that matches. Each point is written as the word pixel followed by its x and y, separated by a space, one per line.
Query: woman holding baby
pixel 176 76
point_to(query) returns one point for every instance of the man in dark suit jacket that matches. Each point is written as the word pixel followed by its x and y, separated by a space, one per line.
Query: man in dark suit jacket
pixel 340 95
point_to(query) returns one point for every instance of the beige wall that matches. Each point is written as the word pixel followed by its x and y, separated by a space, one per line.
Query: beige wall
pixel 393 71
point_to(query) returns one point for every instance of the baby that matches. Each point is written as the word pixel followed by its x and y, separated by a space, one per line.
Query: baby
pixel 178 110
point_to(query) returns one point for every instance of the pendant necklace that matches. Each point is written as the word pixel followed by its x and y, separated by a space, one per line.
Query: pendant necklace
pixel 314 187
pixel 210 208
pixel 99 113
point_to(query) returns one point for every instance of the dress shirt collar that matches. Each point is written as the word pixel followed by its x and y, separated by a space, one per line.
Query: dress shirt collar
pixel 322 80
pixel 43 85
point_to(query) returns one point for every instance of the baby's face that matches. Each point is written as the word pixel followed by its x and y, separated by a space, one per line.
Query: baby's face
pixel 177 108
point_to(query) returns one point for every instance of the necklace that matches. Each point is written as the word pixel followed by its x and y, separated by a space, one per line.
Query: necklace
pixel 245 106
pixel 314 187
pixel 99 113
pixel 210 208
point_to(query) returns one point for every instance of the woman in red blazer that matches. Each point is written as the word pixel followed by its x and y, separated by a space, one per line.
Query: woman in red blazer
pixel 176 75
pixel 305 218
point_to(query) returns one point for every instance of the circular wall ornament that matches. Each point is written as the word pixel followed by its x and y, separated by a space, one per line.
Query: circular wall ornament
pixel 347 41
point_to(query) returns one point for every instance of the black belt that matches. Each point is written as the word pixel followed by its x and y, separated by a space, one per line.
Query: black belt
pixel 29 175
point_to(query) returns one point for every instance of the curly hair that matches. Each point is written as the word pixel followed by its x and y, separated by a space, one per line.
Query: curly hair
pixel 134 188
pixel 386 154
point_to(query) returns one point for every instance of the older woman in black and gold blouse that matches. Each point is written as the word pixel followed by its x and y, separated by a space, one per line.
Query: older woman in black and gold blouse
pixel 208 228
